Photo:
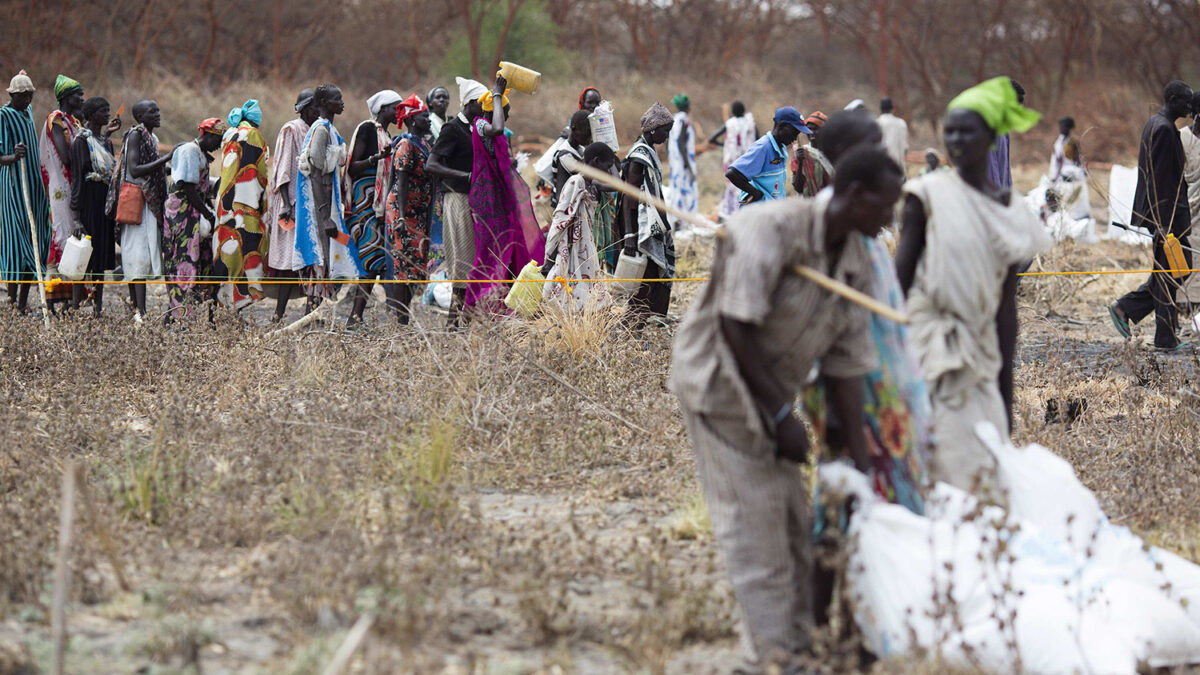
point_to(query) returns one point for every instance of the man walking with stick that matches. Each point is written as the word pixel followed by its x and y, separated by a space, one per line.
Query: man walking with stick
pixel 24 209
pixel 1160 204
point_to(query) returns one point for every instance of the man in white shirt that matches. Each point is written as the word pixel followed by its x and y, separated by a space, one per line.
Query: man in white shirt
pixel 895 133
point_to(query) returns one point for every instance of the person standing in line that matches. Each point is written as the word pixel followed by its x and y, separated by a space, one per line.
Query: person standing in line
pixel 895 133
pixel 92 165
pixel 645 229
pixel 681 155
pixel 507 235
pixel 368 175
pixel 741 357
pixel 812 171
pixel 962 240
pixel 281 200
pixel 570 244
pixel 409 203
pixel 1160 204
pixel 580 138
pixel 735 137
pixel 451 160
pixel 188 222
pixel 324 248
pixel 999 165
pixel 761 173
pixel 240 240
pixel 438 102
pixel 141 165
pixel 59 131
pixel 19 149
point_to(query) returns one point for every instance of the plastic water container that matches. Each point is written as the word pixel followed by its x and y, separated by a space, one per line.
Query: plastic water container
pixel 520 78
pixel 629 267
pixel 526 293
pixel 604 126
pixel 76 255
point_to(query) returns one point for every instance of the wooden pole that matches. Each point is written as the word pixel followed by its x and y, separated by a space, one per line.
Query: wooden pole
pixel 37 249
pixel 824 281
pixel 62 566
pixel 353 639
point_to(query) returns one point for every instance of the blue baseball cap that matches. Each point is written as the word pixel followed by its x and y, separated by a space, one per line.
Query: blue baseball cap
pixel 793 117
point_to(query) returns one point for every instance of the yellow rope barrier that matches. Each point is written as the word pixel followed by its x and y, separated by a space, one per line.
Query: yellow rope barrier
pixel 556 280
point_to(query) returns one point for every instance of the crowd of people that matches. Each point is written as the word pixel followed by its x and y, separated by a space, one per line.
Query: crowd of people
pixel 758 344
pixel 413 189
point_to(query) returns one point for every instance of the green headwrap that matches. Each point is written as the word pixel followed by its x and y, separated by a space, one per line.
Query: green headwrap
pixel 65 86
pixel 680 100
pixel 996 102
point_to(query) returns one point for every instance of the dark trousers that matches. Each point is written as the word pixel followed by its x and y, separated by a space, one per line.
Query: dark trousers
pixel 652 297
pixel 1158 295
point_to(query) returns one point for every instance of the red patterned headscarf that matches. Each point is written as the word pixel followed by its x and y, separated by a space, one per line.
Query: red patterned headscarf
pixel 213 125
pixel 413 105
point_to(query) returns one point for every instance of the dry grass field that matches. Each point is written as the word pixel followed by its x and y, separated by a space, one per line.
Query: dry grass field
pixel 515 498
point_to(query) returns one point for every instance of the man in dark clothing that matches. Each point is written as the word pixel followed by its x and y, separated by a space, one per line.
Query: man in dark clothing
pixel 1160 205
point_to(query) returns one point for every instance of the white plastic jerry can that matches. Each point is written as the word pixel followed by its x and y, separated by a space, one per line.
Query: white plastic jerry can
pixel 76 255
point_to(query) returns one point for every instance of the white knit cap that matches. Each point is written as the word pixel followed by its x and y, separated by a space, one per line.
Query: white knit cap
pixel 20 83
pixel 469 90
pixel 382 98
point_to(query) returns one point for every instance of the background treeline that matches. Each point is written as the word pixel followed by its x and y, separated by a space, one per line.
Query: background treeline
pixel 1072 55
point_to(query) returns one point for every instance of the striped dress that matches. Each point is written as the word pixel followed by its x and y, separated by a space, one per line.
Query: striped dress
pixel 16 244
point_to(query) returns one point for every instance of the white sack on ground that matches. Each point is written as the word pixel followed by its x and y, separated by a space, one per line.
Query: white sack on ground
pixel 1122 184
pixel 1088 596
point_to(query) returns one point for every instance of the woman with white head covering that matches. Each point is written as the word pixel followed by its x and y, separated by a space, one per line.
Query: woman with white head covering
pixel 368 173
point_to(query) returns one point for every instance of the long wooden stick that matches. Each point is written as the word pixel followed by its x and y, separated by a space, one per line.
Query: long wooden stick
pixel 37 249
pixel 353 639
pixel 102 533
pixel 824 281
pixel 62 567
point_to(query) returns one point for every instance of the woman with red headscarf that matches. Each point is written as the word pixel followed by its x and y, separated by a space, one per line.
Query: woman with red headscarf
pixel 409 202
pixel 589 99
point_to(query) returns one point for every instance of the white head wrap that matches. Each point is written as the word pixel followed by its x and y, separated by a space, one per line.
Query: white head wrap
pixel 855 104
pixel 20 83
pixel 382 98
pixel 469 90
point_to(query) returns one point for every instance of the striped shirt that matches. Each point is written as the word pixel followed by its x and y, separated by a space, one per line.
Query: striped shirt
pixel 799 323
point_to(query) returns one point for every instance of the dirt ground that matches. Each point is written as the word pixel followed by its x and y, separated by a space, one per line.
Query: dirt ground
pixel 515 498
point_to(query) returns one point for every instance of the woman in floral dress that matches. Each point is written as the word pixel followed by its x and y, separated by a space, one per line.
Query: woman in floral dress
pixel 187 248
pixel 409 203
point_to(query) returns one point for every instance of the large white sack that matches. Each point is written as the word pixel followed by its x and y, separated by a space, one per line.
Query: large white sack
pixel 1089 596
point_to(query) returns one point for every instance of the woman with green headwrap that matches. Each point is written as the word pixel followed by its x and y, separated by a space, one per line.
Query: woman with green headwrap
pixel 963 237
pixel 681 151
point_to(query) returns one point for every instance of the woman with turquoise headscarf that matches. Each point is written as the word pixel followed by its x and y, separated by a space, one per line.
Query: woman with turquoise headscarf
pixel 962 240
pixel 240 239
pixel 681 153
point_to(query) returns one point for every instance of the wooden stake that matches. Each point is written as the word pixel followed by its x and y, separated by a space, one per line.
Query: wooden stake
pixel 106 542
pixel 824 281
pixel 37 249
pixel 62 566
pixel 354 638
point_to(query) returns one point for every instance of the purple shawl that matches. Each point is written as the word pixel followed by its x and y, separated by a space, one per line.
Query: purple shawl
pixel 507 235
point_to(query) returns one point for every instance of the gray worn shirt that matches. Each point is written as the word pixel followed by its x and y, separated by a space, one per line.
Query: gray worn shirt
pixel 799 323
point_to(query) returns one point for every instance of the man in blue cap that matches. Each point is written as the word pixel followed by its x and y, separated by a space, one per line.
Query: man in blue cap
pixel 761 173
